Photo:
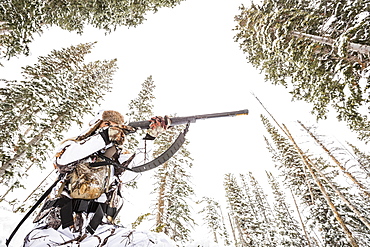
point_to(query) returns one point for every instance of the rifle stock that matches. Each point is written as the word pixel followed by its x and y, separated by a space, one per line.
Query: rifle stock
pixel 190 119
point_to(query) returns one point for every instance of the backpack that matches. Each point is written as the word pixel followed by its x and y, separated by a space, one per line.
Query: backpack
pixel 87 181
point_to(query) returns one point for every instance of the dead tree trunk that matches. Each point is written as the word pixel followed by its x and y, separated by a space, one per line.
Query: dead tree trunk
pixel 337 216
pixel 301 220
pixel 336 161
pixel 363 49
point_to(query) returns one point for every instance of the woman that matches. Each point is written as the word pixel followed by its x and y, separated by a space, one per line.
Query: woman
pixel 83 206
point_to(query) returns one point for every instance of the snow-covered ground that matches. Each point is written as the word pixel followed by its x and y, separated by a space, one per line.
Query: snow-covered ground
pixel 9 220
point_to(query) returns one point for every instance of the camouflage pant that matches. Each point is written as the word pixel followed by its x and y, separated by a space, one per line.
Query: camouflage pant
pixel 105 235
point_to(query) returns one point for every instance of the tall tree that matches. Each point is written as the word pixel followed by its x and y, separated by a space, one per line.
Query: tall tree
pixel 141 109
pixel 338 163
pixel 288 232
pixel 21 19
pixel 262 212
pixel 55 93
pixel 309 47
pixel 242 217
pixel 173 214
pixel 363 160
pixel 310 188
pixel 348 206
pixel 214 220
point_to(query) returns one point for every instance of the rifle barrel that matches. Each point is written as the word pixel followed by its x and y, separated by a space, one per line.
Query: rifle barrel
pixel 190 119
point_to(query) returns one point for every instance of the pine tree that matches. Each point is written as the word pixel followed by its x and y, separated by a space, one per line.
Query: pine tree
pixel 242 217
pixel 309 48
pixel 264 217
pixel 141 109
pixel 363 160
pixel 354 216
pixel 20 20
pixel 213 218
pixel 337 162
pixel 173 214
pixel 55 93
pixel 288 232
pixel 311 189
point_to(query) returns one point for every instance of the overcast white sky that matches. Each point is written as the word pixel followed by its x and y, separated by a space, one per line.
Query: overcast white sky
pixel 197 68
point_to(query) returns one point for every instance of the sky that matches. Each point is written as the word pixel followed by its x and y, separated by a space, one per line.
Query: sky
pixel 197 69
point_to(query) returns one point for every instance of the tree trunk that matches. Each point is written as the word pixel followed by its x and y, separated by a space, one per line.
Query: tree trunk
pixel 215 236
pixel 349 235
pixel 160 207
pixel 336 161
pixel 300 219
pixel 241 233
pixel 232 228
pixel 363 49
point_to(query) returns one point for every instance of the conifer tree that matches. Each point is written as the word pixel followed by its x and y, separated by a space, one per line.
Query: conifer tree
pixel 241 215
pixel 55 93
pixel 20 20
pixel 356 217
pixel 342 201
pixel 141 109
pixel 288 231
pixel 312 191
pixel 214 220
pixel 172 208
pixel 173 188
pixel 262 212
pixel 308 47
pixel 363 160
pixel 330 191
pixel 254 223
pixel 337 162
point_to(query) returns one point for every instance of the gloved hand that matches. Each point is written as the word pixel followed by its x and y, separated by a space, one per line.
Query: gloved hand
pixel 113 134
pixel 157 126
pixel 116 135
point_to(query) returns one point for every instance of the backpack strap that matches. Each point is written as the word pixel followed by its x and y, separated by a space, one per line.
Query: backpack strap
pixel 68 206
pixel 166 155
pixel 96 220
pixel 39 201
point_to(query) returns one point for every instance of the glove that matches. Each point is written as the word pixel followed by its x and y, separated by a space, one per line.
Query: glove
pixel 113 134
pixel 116 135
pixel 157 126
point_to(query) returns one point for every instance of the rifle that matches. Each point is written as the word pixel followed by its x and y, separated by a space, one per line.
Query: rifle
pixel 190 119
pixel 176 145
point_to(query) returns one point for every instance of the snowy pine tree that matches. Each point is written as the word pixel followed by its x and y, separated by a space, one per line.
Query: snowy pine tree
pixel 309 187
pixel 55 93
pixel 288 230
pixel 309 48
pixel 242 217
pixel 214 220
pixel 140 109
pixel 20 20
pixel 172 208
pixel 348 200
pixel 264 230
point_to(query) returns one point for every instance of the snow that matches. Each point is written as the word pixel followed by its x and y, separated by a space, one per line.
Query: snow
pixel 9 221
